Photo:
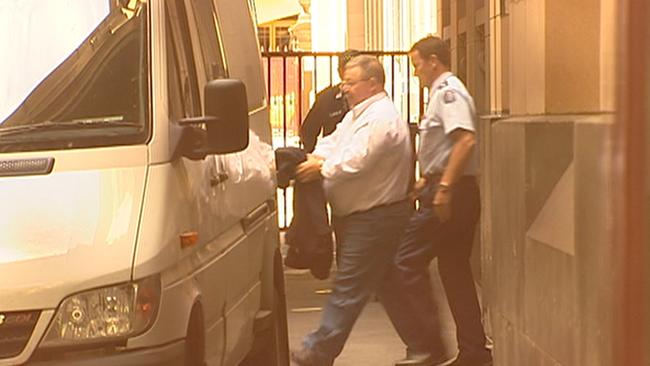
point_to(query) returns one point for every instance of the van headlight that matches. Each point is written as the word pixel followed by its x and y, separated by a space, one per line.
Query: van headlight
pixel 105 314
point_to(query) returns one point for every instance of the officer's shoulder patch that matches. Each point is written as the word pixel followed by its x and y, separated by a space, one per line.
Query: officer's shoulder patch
pixel 449 96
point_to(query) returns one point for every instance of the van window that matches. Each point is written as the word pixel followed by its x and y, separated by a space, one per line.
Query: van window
pixel 177 109
pixel 242 50
pixel 73 76
pixel 182 84
pixel 206 21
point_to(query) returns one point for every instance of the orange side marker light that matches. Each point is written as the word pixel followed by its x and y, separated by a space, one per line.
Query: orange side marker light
pixel 189 239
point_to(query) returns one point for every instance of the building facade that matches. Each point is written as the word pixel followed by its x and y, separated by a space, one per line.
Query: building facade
pixel 547 78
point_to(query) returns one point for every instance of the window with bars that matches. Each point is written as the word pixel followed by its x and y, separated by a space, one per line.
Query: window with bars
pixel 264 36
pixel 282 39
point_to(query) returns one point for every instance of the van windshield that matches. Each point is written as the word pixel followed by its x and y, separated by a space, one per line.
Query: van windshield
pixel 73 74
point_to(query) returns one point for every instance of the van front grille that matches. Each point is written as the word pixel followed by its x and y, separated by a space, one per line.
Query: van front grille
pixel 15 330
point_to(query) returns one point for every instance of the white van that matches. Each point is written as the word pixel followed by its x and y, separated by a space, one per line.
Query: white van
pixel 137 211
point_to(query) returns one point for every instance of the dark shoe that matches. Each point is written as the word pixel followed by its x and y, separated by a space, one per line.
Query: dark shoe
pixel 416 359
pixel 306 357
pixel 464 359
pixel 422 359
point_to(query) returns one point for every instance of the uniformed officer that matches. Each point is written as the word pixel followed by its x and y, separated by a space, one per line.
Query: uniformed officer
pixel 328 109
pixel 446 220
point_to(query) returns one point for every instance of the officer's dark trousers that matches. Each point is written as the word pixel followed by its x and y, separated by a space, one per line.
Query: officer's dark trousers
pixel 451 242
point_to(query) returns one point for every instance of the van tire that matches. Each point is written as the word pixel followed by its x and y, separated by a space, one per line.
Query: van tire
pixel 195 339
pixel 275 349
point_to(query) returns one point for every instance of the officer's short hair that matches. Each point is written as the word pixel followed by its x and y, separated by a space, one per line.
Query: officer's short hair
pixel 346 56
pixel 431 45
pixel 370 66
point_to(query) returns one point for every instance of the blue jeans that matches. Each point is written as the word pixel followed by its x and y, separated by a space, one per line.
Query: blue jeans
pixel 368 241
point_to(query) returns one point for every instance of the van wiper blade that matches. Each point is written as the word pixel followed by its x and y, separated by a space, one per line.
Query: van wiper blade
pixel 102 122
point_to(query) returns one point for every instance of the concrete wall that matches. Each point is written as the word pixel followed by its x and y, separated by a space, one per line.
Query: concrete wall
pixel 547 266
pixel 467 36
pixel 547 227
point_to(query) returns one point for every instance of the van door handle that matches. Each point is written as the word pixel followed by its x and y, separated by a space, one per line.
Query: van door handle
pixel 215 180
pixel 257 215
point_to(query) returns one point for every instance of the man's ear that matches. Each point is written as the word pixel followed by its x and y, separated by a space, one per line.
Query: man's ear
pixel 434 59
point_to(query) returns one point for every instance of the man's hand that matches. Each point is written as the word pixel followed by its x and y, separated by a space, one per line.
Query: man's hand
pixel 417 188
pixel 442 204
pixel 309 170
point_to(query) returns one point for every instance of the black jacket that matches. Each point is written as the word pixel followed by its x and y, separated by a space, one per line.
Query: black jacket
pixel 328 110
pixel 309 235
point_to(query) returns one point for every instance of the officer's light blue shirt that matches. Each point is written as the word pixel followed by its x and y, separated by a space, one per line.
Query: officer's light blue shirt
pixel 450 107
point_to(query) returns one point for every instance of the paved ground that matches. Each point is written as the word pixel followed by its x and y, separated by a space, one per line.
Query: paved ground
pixel 373 341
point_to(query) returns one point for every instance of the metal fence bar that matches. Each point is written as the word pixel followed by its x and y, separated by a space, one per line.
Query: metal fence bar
pixel 300 86
pixel 285 205
pixel 315 73
pixel 421 109
pixel 284 100
pixel 392 78
pixel 408 91
pixel 331 73
pixel 268 78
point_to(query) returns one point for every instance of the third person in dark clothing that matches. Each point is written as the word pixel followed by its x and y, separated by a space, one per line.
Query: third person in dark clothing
pixel 328 109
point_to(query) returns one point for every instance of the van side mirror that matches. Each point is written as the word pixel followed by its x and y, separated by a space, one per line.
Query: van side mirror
pixel 226 100
pixel 225 118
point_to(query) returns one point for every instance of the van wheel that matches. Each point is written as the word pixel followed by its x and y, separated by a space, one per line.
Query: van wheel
pixel 194 342
pixel 275 340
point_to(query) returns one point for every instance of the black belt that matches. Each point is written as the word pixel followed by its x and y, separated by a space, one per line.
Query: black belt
pixel 383 205
pixel 436 177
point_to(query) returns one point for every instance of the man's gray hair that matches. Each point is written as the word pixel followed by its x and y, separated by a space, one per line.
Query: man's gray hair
pixel 370 67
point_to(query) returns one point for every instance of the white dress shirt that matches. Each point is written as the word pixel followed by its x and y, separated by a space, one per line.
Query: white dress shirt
pixel 367 158
pixel 450 107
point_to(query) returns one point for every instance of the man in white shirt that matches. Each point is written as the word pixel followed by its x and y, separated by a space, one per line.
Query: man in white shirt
pixel 445 223
pixel 365 166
